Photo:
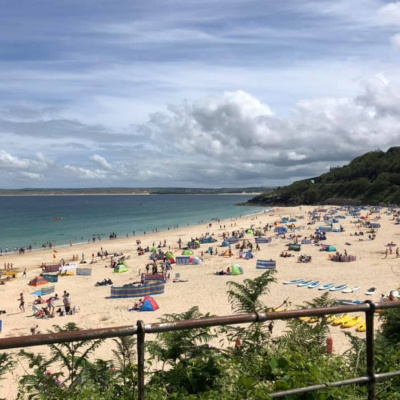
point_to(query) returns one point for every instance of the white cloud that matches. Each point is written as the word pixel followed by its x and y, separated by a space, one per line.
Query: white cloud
pixel 395 40
pixel 85 173
pixel 8 161
pixel 32 175
pixel 390 13
pixel 100 161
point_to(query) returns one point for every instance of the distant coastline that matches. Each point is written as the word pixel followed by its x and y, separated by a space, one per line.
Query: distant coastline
pixel 133 192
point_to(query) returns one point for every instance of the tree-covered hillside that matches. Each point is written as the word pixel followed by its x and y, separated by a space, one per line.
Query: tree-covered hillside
pixel 372 178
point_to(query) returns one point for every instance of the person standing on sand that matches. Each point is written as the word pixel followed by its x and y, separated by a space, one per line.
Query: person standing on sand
pixel 24 273
pixel 21 302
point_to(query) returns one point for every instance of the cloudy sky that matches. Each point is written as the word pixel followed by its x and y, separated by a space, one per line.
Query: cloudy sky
pixel 195 93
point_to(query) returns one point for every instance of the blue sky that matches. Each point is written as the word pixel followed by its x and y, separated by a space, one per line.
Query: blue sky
pixel 193 93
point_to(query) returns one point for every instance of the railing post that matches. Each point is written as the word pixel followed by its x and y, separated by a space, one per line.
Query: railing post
pixel 369 318
pixel 140 356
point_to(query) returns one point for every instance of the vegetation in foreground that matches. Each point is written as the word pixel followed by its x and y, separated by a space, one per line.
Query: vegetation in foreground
pixel 182 364
pixel 372 178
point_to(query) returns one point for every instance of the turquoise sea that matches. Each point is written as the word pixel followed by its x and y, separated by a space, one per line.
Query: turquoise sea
pixel 37 220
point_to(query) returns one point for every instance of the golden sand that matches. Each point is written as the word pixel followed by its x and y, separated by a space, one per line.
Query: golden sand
pixel 204 289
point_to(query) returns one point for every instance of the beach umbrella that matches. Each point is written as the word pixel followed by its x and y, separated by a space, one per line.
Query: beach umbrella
pixel 187 252
pixel 38 281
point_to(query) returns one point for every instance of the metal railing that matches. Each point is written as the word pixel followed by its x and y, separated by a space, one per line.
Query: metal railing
pixel 141 329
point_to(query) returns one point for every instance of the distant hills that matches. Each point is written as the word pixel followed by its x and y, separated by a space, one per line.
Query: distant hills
pixel 130 191
pixel 373 178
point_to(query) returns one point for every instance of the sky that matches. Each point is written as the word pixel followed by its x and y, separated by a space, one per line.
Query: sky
pixel 195 93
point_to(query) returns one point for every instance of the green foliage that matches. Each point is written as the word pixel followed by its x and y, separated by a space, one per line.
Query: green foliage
pixel 372 178
pixel 6 364
pixel 191 369
pixel 245 297
pixel 174 346
pixel 72 355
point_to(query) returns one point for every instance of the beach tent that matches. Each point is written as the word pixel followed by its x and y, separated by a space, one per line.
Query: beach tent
pixel 154 250
pixel 195 260
pixel 330 248
pixel 249 255
pixel 227 253
pixel 169 255
pixel 236 269
pixel 225 244
pixel 187 252
pixel 39 280
pixel 294 247
pixel 250 231
pixel 149 304
pixel 119 268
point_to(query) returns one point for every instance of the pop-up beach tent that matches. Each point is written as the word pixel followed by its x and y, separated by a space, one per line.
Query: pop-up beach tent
pixel 120 268
pixel 187 252
pixel 149 304
pixel 236 269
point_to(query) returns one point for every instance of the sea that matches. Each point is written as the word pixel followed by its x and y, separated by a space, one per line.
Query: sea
pixel 37 221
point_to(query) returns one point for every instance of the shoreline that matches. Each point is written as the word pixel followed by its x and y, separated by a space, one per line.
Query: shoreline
pixel 132 237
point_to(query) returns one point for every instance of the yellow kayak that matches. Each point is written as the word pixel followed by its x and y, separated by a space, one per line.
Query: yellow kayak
pixel 331 318
pixel 281 309
pixel 352 322
pixel 361 327
pixel 340 320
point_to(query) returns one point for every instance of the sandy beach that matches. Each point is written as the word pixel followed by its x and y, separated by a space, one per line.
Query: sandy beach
pixel 372 268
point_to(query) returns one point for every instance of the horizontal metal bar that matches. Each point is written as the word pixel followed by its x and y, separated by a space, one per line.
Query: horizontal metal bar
pixel 103 333
pixel 387 375
pixel 313 388
pixel 64 337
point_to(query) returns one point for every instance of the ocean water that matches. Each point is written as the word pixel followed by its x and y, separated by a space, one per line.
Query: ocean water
pixel 37 220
